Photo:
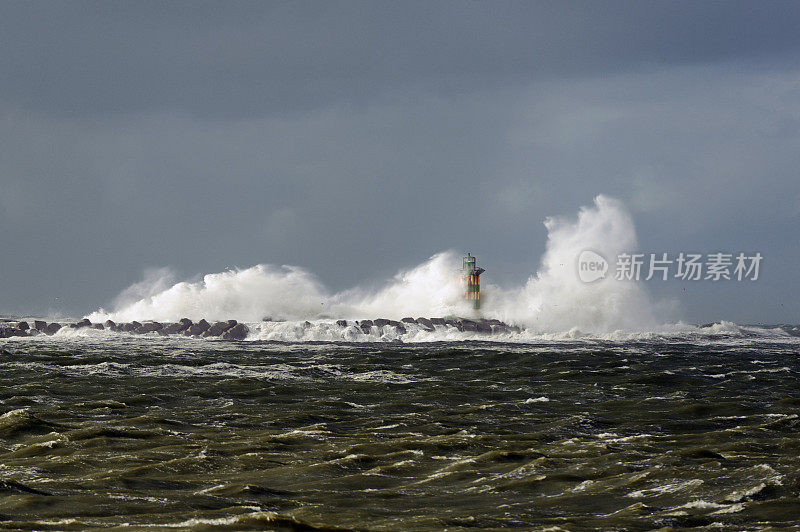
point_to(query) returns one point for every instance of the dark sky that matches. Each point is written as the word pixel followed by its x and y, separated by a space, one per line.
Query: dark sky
pixel 356 138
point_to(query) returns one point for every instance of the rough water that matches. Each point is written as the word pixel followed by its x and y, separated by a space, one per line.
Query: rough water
pixel 568 405
pixel 694 429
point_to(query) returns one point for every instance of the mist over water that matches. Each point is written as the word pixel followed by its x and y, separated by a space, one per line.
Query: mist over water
pixel 553 299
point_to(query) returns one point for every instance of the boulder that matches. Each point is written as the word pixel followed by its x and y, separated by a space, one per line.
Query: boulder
pixel 39 325
pixel 426 324
pixel 125 327
pixel 173 328
pixel 98 326
pixel 237 332
pixel 341 323
pixel 409 320
pixel 400 329
pixel 194 330
pixel 483 326
pixel 367 323
pixel 217 329
pixel 500 328
pixel 52 328
pixel 8 332
pixel 110 325
pixel 186 322
pixel 149 327
pixel 380 322
pixel 135 325
pixel 232 323
pixel 437 321
pixel 83 323
pixel 467 325
pixel 22 326
pixel 204 325
pixel 424 321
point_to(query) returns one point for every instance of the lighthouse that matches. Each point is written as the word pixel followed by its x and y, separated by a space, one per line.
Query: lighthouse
pixel 471 276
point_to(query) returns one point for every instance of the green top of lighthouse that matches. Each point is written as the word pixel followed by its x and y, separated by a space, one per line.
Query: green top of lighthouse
pixel 469 265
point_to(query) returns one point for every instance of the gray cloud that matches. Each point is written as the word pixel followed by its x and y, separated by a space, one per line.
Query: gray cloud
pixel 235 59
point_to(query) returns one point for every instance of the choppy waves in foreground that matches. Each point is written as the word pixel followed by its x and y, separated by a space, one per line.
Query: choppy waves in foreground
pixel 102 429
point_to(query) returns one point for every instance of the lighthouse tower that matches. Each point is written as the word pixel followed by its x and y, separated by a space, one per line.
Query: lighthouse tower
pixel 471 276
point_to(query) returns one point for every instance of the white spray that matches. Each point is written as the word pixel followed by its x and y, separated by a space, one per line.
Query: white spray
pixel 552 300
pixel 556 299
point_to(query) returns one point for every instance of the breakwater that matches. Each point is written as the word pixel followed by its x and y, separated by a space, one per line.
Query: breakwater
pixel 234 330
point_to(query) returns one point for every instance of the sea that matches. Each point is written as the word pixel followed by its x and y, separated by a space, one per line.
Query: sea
pixel 697 428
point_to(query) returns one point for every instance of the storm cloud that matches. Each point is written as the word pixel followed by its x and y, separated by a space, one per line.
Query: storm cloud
pixel 356 138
